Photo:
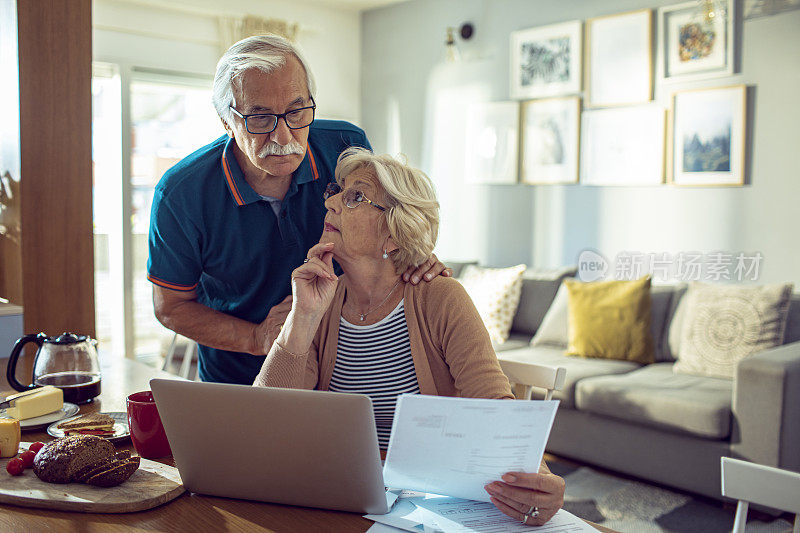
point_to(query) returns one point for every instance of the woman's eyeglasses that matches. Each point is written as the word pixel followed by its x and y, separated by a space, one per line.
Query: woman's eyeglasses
pixel 351 198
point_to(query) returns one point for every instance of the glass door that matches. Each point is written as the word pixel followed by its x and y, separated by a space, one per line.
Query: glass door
pixel 144 123
pixel 169 120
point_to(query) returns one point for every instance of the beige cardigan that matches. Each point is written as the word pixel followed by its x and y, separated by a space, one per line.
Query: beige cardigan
pixel 452 353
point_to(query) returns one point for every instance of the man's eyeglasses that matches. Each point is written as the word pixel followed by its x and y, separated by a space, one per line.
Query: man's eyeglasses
pixel 351 198
pixel 262 123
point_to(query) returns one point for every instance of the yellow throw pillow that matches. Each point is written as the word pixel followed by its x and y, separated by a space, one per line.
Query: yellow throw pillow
pixel 610 320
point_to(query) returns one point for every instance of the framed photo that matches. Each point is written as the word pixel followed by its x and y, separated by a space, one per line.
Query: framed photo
pixel 708 136
pixel 619 67
pixel 550 135
pixel 623 146
pixel 546 61
pixel 492 142
pixel 691 48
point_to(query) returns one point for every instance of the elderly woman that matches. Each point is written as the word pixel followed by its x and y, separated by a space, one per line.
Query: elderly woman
pixel 368 332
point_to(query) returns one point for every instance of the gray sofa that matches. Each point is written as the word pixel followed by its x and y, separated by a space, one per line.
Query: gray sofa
pixel 645 420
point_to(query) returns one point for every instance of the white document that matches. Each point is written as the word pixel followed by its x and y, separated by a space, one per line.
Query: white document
pixel 441 514
pixel 455 446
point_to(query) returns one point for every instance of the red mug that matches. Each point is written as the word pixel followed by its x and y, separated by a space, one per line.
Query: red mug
pixel 144 423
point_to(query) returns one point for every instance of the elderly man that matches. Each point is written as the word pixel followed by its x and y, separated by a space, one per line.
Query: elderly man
pixel 231 221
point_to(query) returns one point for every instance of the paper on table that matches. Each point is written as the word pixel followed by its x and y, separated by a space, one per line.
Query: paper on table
pixel 441 514
pixel 454 515
pixel 377 527
pixel 455 446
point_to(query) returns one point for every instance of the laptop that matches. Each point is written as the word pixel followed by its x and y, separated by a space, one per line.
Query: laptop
pixel 296 447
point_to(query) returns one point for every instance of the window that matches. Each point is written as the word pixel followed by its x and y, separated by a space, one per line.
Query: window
pixel 168 117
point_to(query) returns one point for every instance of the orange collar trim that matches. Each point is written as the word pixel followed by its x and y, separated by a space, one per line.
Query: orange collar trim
pixel 231 183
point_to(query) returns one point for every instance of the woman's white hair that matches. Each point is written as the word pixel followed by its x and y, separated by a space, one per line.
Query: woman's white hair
pixel 412 212
pixel 262 52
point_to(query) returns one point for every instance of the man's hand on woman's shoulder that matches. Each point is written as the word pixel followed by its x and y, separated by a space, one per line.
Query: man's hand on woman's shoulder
pixel 427 271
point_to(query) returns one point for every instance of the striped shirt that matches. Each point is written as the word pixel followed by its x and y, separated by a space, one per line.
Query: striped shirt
pixel 376 360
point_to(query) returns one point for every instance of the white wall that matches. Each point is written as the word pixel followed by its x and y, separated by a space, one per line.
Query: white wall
pixel 404 76
pixel 182 36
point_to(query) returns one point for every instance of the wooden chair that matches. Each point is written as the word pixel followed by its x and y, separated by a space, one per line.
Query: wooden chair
pixel 762 485
pixel 188 357
pixel 529 375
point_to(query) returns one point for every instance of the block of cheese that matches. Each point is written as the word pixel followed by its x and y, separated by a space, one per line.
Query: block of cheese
pixel 9 437
pixel 45 400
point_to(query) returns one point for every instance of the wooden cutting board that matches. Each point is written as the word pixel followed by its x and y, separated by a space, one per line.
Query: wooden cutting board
pixel 150 486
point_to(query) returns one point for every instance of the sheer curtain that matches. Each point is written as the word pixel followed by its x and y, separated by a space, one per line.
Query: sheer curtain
pixel 233 29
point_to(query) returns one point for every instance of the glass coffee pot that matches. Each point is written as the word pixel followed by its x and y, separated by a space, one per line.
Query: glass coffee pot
pixel 68 362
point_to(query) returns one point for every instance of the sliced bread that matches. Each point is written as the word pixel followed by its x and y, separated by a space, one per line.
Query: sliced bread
pixel 116 474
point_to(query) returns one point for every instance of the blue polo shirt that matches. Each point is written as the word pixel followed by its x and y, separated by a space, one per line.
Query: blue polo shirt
pixel 212 233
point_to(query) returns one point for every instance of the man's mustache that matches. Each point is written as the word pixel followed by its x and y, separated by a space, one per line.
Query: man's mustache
pixel 273 148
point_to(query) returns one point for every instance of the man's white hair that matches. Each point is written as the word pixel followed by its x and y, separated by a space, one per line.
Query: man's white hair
pixel 262 52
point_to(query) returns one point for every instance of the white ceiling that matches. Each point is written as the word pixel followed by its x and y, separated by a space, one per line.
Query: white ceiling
pixel 212 7
pixel 355 5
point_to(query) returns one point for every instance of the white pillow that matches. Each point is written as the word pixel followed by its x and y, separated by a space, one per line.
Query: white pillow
pixel 553 331
pixel 723 324
pixel 495 293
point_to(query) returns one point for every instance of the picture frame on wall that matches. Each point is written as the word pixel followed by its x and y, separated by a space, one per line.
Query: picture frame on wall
pixel 708 128
pixel 619 64
pixel 690 47
pixel 492 143
pixel 546 60
pixel 623 145
pixel 550 137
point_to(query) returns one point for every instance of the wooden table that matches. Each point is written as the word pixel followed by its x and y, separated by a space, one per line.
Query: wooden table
pixel 188 512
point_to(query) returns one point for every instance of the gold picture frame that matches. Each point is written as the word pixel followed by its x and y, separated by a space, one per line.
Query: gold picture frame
pixel 613 78
pixel 712 124
pixel 623 146
pixel 550 140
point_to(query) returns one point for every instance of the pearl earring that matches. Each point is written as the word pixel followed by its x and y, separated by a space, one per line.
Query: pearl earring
pixel 385 255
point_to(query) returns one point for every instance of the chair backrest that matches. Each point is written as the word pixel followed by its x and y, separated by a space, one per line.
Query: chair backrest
pixel 529 375
pixel 763 485
pixel 190 350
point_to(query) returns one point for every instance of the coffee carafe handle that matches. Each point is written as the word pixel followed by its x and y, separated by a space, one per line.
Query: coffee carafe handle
pixel 11 370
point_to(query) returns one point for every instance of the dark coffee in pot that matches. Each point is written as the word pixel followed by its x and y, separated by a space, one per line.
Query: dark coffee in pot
pixel 78 387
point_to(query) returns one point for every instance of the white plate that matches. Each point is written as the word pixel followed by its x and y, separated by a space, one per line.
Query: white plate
pixel 120 427
pixel 39 422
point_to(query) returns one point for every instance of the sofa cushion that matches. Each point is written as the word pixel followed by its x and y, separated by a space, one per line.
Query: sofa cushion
pixel 577 368
pixel 793 321
pixel 514 342
pixel 539 287
pixel 495 293
pixel 672 340
pixel 723 324
pixel 655 396
pixel 661 299
pixel 458 266
pixel 610 320
pixel 553 331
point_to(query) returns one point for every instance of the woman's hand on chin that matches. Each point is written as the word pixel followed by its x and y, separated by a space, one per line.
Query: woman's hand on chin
pixel 314 282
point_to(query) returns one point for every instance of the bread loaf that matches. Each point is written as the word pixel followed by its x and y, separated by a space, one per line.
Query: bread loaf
pixel 59 461
pixel 117 472
pixel 100 465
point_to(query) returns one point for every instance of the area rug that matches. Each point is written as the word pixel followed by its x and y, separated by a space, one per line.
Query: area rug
pixel 630 506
